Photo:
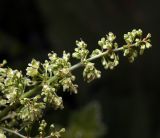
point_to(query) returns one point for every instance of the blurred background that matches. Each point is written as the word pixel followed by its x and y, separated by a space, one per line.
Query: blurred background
pixel 125 102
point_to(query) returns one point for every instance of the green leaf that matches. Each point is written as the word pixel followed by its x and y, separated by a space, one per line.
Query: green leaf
pixel 86 123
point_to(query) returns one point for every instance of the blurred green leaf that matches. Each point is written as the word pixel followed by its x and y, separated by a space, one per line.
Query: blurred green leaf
pixel 86 123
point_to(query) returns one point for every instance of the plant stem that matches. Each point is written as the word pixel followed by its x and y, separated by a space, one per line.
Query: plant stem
pixel 52 79
pixel 31 92
pixel 95 57
pixel 25 95
pixel 13 132
pixel 6 110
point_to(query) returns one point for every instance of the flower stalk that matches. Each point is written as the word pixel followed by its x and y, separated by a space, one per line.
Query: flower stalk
pixel 28 96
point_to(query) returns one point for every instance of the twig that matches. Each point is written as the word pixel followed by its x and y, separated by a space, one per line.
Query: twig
pixel 38 88
pixel 13 132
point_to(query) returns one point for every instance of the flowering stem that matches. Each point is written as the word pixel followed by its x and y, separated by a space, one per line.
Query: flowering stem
pixel 96 57
pixel 31 92
pixel 35 90
pixel 13 132
pixel 25 95
pixel 6 110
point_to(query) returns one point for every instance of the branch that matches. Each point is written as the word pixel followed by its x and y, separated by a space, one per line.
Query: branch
pixel 25 95
pixel 52 79
pixel 13 132
pixel 96 57
pixel 6 110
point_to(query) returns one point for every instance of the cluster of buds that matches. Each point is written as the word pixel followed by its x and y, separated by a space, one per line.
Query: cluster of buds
pixel 32 109
pixel 42 127
pixel 32 70
pixel 57 134
pixel 81 52
pixel 68 85
pixel 111 59
pixel 107 43
pixel 51 97
pixel 135 44
pixel 53 133
pixel 12 85
pixel 28 95
pixel 90 73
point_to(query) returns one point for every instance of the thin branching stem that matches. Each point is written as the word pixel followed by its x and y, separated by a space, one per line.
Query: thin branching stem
pixel 97 56
pixel 80 52
pixel 35 90
pixel 13 132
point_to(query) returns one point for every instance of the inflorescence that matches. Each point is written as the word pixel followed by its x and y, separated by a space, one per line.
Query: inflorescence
pixel 23 98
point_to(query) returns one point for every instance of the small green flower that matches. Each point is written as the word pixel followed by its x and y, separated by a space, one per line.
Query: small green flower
pixel 52 56
pixel 95 52
pixel 67 84
pixel 51 97
pixel 110 63
pixel 3 63
pixel 66 56
pixel 42 127
pixel 31 110
pixel 134 41
pixel 32 70
pixel 111 37
pixel 108 42
pixel 57 134
pixel 2 134
pixel 81 52
pixel 90 73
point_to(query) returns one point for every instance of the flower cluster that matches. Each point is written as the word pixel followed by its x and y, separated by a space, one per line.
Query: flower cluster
pixel 56 134
pixel 60 67
pixel 12 85
pixel 110 60
pixel 42 127
pixel 23 98
pixel 90 72
pixel 81 52
pixel 31 110
pixel 134 41
pixel 51 97
pixel 32 70
pixel 108 42
pixel 53 133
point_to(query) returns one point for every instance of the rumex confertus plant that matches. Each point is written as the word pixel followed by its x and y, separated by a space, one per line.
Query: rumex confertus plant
pixel 23 98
